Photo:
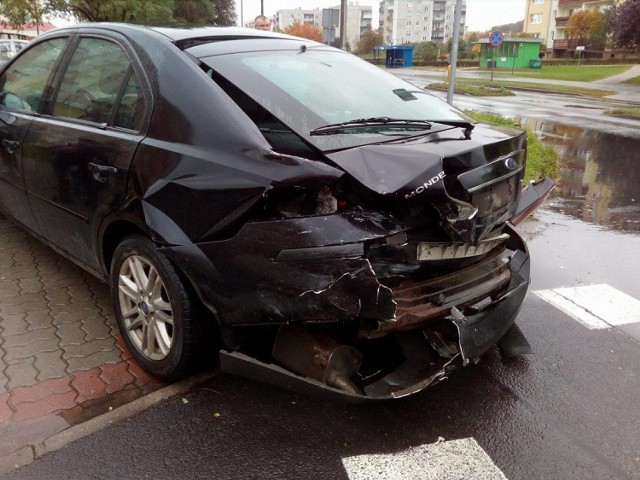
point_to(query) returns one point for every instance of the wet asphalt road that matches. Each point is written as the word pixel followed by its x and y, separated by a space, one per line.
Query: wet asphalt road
pixel 569 410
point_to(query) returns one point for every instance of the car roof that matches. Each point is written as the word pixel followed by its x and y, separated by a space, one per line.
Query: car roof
pixel 183 36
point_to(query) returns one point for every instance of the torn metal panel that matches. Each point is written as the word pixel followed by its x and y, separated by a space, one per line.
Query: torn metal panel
pixel 263 273
pixel 205 191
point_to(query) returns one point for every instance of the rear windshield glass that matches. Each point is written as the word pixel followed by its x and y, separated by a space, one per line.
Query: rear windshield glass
pixel 316 87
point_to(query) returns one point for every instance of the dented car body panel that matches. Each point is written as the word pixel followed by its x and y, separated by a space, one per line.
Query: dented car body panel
pixel 364 250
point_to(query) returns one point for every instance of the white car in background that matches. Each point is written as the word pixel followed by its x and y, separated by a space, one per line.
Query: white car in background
pixel 9 47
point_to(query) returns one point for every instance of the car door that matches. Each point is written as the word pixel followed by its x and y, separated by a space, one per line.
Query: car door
pixel 84 141
pixel 22 88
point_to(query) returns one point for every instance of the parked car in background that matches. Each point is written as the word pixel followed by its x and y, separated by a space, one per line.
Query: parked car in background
pixel 338 228
pixel 9 47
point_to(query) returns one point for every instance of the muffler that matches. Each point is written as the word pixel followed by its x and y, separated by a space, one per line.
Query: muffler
pixel 318 356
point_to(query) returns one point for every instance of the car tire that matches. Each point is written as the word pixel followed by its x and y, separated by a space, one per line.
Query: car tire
pixel 155 310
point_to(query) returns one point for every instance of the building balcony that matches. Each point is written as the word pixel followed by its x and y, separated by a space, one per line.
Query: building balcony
pixel 566 2
pixel 572 43
pixel 561 22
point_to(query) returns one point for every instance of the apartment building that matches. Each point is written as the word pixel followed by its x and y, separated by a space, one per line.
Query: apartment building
pixel 359 18
pixel 565 8
pixel 287 17
pixel 548 20
pixel 415 21
pixel 539 21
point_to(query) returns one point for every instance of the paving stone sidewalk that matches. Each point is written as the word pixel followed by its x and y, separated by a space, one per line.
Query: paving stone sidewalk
pixel 62 360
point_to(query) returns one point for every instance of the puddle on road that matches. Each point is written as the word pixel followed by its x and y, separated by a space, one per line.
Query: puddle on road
pixel 600 175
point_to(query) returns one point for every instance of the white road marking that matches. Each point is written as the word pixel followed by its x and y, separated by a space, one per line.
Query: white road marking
pixel 595 306
pixel 455 459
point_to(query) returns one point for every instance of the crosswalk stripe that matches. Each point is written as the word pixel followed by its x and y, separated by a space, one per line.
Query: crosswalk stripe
pixel 454 459
pixel 595 306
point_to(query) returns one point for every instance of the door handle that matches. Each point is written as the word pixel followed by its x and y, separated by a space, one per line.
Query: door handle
pixel 100 172
pixel 10 145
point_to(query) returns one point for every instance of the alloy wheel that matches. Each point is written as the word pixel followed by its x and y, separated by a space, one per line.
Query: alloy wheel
pixel 146 307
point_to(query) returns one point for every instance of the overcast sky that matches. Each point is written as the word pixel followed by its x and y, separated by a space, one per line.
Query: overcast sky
pixel 481 14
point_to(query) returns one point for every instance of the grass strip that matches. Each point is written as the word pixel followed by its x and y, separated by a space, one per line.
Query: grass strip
pixel 573 73
pixel 633 81
pixel 629 112
pixel 474 90
pixel 590 92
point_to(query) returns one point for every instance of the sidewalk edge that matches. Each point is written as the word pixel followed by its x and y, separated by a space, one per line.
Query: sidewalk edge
pixel 28 453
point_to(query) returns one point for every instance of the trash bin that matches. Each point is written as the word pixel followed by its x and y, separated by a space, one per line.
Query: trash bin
pixel 491 64
pixel 535 63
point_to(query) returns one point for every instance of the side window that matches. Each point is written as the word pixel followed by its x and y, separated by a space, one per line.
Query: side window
pixel 130 113
pixel 92 81
pixel 22 85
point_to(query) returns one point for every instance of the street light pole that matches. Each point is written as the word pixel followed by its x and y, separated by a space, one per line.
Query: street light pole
pixel 457 17
pixel 261 7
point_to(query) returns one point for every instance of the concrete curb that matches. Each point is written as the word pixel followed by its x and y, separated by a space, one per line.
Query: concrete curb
pixel 28 453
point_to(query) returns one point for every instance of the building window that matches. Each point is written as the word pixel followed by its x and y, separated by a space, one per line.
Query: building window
pixel 535 18
pixel 538 2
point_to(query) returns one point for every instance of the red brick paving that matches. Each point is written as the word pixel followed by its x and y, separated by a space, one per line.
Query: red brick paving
pixel 88 384
pixel 61 361
pixel 5 411
pixel 46 406
pixel 116 377
pixel 39 391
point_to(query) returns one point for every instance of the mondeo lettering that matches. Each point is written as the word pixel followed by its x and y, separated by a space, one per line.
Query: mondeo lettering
pixel 432 181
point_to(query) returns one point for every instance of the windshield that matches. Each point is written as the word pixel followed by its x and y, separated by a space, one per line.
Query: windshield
pixel 311 88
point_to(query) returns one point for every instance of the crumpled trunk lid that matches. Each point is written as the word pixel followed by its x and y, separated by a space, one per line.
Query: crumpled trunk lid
pixel 474 184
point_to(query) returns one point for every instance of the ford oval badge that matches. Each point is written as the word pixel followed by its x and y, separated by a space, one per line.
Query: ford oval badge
pixel 510 163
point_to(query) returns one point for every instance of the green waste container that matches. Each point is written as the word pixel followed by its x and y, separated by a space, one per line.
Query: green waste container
pixel 535 63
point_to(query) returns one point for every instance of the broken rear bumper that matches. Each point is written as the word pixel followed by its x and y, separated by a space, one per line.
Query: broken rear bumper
pixel 468 323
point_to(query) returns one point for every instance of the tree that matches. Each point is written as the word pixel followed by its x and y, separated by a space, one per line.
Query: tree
pixel 19 12
pixel 624 22
pixel 217 12
pixel 196 12
pixel 471 37
pixel 463 47
pixel 131 11
pixel 224 12
pixel 304 30
pixel 426 51
pixel 587 25
pixel 369 39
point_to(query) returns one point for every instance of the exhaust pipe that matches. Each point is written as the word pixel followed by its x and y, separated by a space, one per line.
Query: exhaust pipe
pixel 318 356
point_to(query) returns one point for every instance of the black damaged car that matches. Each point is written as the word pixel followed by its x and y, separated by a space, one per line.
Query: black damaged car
pixel 320 222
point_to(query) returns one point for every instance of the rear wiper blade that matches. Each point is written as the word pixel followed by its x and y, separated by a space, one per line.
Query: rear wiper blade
pixel 371 122
pixel 468 126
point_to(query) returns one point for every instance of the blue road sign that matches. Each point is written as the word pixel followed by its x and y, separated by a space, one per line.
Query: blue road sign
pixel 496 38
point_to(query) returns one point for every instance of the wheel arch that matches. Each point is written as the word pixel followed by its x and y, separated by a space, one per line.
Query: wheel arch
pixel 112 236
pixel 115 232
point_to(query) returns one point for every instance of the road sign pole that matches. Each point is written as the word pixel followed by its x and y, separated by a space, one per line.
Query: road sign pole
pixel 495 40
